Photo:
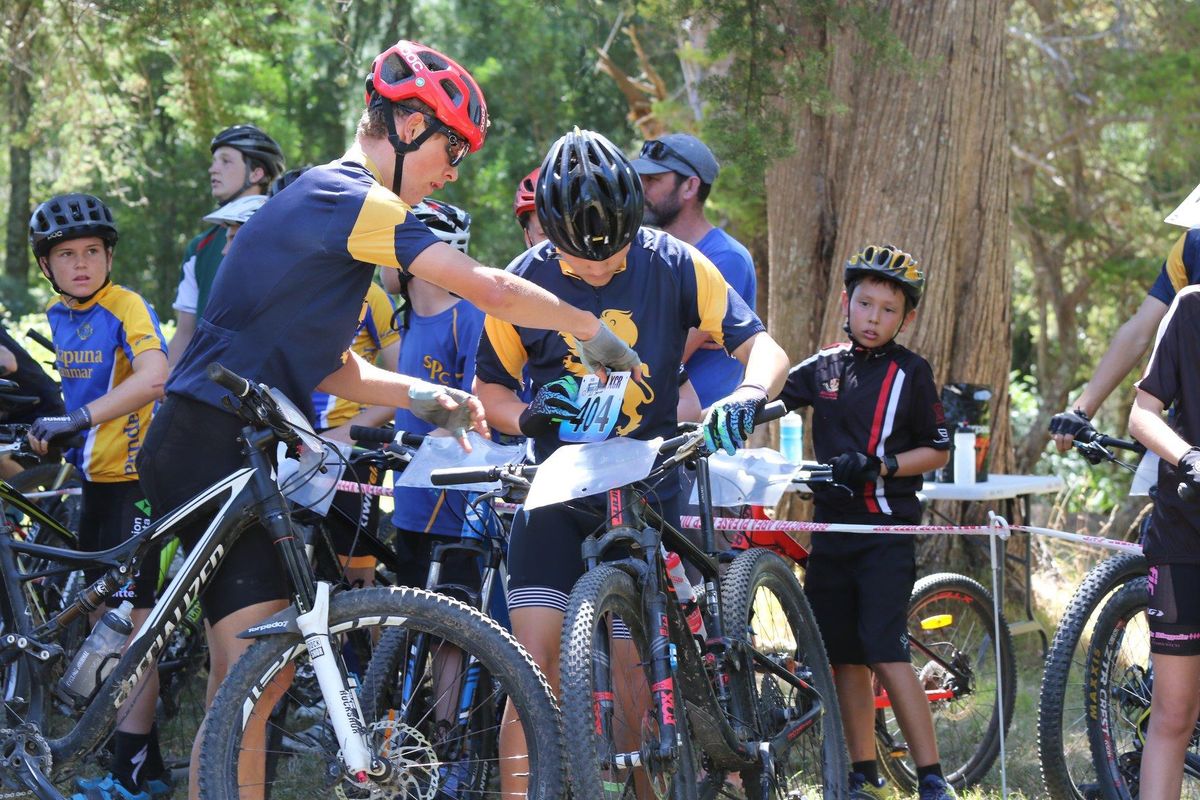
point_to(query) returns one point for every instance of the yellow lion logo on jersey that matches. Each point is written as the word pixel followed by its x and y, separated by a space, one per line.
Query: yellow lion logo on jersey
pixel 637 393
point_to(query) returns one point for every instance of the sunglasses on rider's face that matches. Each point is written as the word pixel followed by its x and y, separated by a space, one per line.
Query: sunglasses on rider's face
pixel 457 146
pixel 657 150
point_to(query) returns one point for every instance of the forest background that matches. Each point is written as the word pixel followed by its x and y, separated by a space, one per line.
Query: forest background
pixel 1025 151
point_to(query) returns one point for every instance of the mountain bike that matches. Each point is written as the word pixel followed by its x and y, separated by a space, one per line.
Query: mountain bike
pixel 414 677
pixel 751 710
pixel 1120 683
pixel 359 757
pixel 1063 748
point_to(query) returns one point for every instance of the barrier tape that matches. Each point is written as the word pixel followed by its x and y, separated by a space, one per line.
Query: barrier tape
pixel 999 526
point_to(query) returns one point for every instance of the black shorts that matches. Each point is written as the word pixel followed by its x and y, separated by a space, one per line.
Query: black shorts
pixel 1174 610
pixel 189 447
pixel 544 559
pixel 112 513
pixel 859 590
pixel 415 552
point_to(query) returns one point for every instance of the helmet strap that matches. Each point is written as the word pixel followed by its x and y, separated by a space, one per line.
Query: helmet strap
pixel 398 145
pixel 64 293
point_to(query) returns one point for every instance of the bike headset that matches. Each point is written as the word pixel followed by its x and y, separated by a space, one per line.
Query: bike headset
pixel 448 223
pixel 889 263
pixel 588 197
pixel 257 149
pixel 411 71
pixel 71 216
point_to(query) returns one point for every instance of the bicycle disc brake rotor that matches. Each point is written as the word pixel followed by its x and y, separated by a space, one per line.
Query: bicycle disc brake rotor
pixel 414 763
pixel 19 746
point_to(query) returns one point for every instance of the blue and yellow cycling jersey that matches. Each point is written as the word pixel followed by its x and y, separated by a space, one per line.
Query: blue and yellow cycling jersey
pixel 1181 268
pixel 286 301
pixel 664 288
pixel 375 332
pixel 94 347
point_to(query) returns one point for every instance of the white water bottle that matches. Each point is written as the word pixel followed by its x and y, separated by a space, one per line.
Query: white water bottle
pixel 964 457
pixel 98 654
pixel 685 593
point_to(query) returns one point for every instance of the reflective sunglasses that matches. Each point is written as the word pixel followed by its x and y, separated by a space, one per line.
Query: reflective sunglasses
pixel 457 146
pixel 657 150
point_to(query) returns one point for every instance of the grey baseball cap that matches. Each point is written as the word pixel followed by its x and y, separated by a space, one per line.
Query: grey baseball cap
pixel 678 152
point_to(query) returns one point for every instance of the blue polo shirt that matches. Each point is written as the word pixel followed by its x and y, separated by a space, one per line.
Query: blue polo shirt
pixel 715 373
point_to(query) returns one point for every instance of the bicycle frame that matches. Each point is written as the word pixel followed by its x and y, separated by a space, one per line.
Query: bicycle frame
pixel 11 496
pixel 640 528
pixel 248 494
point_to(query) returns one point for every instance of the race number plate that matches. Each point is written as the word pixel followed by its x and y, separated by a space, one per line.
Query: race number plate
pixel 600 406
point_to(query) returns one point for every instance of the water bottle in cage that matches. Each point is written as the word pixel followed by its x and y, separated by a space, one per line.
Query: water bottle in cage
pixel 685 593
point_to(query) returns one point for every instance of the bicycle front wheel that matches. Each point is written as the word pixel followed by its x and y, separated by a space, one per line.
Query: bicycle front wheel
pixel 1063 750
pixel 764 606
pixel 300 750
pixel 1118 705
pixel 952 640
pixel 608 699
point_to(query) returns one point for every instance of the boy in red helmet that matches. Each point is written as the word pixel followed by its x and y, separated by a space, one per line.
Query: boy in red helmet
pixel 287 300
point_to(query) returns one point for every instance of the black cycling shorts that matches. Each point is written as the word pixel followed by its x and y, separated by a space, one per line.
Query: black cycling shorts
pixel 544 559
pixel 111 513
pixel 189 447
pixel 859 590
pixel 415 552
pixel 351 513
pixel 1174 610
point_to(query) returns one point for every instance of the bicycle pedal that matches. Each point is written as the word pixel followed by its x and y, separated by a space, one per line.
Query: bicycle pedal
pixel 897 752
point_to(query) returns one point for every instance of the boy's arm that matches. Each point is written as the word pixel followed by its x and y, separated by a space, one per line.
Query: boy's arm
pixel 1148 427
pixel 371 416
pixel 766 363
pixel 917 461
pixel 503 406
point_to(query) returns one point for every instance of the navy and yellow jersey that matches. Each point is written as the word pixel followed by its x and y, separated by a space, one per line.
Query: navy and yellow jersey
pixel 94 347
pixel 287 299
pixel 664 288
pixel 1182 267
pixel 1173 376
pixel 198 270
pixel 375 332
pixel 880 401
pixel 439 349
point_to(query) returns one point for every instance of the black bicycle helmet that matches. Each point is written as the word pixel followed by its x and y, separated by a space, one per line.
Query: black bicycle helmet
pixel 449 223
pixel 888 263
pixel 287 179
pixel 251 142
pixel 70 216
pixel 588 197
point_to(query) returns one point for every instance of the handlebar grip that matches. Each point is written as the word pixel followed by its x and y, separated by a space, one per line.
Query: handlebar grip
pixel 453 476
pixel 364 433
pixel 1186 492
pixel 771 411
pixel 1112 441
pixel 42 340
pixel 228 380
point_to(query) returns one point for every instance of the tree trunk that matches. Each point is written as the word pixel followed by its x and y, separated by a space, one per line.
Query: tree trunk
pixel 921 160
pixel 20 21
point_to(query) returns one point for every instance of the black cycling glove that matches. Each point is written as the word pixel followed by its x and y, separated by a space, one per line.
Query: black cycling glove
pixel 553 403
pixel 730 420
pixel 852 469
pixel 47 428
pixel 1189 467
pixel 1074 423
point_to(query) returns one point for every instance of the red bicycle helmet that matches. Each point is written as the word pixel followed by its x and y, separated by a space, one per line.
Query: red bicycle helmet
pixel 408 70
pixel 523 200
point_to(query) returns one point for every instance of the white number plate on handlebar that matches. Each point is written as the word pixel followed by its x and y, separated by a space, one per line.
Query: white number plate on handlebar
pixel 438 452
pixel 579 470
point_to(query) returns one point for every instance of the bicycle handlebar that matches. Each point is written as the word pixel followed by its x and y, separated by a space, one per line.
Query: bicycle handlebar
pixel 16 434
pixel 228 380
pixel 369 435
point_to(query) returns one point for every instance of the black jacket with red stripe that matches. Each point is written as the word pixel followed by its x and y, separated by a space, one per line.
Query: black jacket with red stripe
pixel 880 401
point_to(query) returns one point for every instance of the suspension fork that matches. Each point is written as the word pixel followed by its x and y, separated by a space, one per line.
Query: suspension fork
pixel 311 599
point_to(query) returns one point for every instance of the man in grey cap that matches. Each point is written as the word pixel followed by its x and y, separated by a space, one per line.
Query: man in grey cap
pixel 678 172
